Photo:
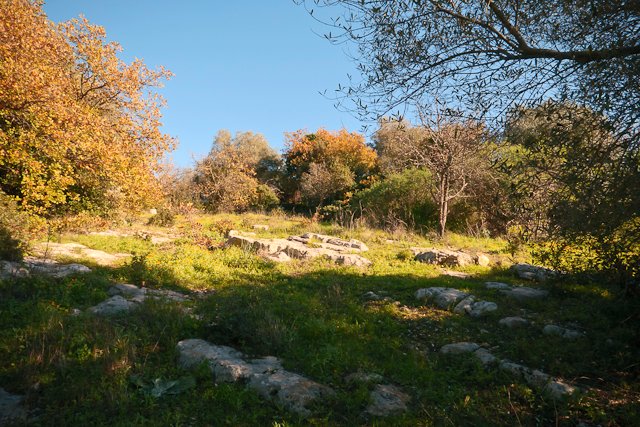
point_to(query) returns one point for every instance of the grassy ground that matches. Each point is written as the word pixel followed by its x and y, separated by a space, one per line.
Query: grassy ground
pixel 77 370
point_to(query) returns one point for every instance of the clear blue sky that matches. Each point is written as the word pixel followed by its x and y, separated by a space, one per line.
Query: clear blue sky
pixel 239 65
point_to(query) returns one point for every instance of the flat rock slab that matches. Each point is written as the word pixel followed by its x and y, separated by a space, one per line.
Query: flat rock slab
pixel 442 257
pixel 513 322
pixel 11 408
pixel 352 244
pixel 554 387
pixel 457 274
pixel 295 247
pixel 53 268
pixel 496 285
pixel 533 272
pixel 459 348
pixel 387 400
pixel 265 376
pixel 442 297
pixel 76 250
pixel 569 334
pixel 126 297
pixel 523 293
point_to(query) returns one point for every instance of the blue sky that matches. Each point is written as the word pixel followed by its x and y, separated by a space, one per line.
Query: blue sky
pixel 239 65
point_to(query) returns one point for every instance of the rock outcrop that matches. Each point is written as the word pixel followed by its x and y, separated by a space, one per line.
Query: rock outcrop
pixel 554 387
pixel 265 376
pixel 306 246
pixel 533 272
pixel 460 302
pixel 449 258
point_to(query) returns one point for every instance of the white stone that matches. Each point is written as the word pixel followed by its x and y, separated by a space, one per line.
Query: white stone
pixel 523 293
pixel 442 297
pixel 387 400
pixel 558 389
pixel 496 285
pixel 260 227
pixel 114 305
pixel 459 348
pixel 485 357
pixel 569 334
pixel 513 322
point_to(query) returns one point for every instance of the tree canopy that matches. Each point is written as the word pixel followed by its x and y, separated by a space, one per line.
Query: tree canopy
pixel 79 128
pixel 485 56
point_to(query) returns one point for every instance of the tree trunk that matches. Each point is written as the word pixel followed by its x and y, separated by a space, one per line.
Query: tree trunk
pixel 444 204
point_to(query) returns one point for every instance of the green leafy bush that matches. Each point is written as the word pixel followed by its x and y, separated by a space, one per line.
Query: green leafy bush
pixel 402 200
pixel 14 229
pixel 164 218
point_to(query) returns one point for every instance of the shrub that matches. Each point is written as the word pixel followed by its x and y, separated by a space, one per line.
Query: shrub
pixel 265 198
pixel 164 218
pixel 14 229
pixel 402 200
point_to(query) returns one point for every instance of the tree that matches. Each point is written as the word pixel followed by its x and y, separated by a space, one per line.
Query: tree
pixel 79 128
pixel 341 154
pixel 449 149
pixel 238 173
pixel 324 181
pixel 489 55
pixel 572 182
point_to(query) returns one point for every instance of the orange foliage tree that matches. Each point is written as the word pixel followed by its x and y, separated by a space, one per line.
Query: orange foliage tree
pixel 79 128
pixel 336 154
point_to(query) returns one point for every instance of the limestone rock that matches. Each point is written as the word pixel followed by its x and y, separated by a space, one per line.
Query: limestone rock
pixel 352 244
pixel 474 308
pixel 559 390
pixel 442 257
pixel 53 268
pixel 533 272
pixel 278 257
pixel 295 247
pixel 458 274
pixel 265 376
pixel 496 285
pixel 569 334
pixel 112 306
pixel 363 377
pixel 442 297
pixel 482 260
pixel 76 250
pixel 387 400
pixel 523 293
pixel 459 348
pixel 513 322
pixel 485 357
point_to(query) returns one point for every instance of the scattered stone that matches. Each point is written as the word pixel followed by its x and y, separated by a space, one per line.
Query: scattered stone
pixel 389 241
pixel 330 242
pixel 111 233
pixel 296 247
pixel 76 250
pixel 474 308
pixel 482 260
pixel 265 376
pixel 443 257
pixel 11 408
pixel 523 293
pixel 277 257
pixel 485 357
pixel 559 390
pixel 387 400
pixel 569 334
pixel 53 268
pixel 260 227
pixel 159 240
pixel 112 306
pixel 371 296
pixel 363 377
pixel 442 297
pixel 513 322
pixel 153 211
pixel 533 272
pixel 496 285
pixel 459 348
pixel 75 312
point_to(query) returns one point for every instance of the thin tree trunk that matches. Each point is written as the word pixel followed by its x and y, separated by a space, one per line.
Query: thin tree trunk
pixel 444 204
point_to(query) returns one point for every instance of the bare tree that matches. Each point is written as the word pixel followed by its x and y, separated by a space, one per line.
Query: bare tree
pixel 448 148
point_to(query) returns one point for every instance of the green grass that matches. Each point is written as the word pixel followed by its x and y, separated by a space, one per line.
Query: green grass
pixel 75 369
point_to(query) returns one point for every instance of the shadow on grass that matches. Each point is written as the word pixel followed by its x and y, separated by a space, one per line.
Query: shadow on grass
pixel 76 369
